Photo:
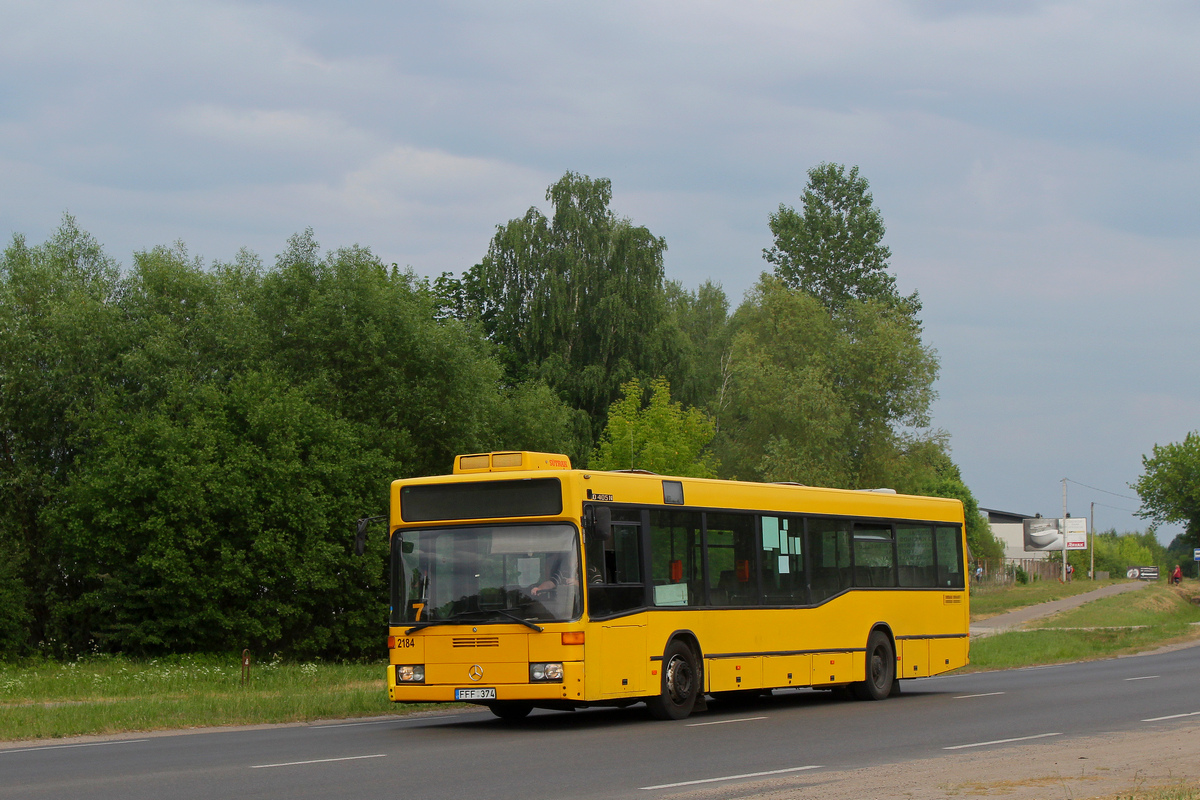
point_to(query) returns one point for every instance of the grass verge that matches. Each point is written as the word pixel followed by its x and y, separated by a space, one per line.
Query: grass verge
pixel 115 694
pixel 988 600
pixel 1118 625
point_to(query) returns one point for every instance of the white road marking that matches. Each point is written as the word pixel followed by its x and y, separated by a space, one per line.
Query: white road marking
pixel 1172 716
pixel 1001 741
pixel 969 696
pixel 316 761
pixel 352 724
pixel 65 746
pixel 729 778
pixel 1144 678
pixel 722 721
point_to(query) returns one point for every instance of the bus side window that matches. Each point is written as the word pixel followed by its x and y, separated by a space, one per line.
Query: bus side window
pixel 949 557
pixel 675 562
pixel 784 581
pixel 874 560
pixel 915 546
pixel 829 557
pixel 732 571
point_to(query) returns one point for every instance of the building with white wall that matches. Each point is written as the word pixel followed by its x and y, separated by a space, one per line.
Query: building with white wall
pixel 1009 528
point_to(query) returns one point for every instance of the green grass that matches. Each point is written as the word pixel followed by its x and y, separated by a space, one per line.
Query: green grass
pixel 1156 605
pixel 988 601
pixel 113 694
pixel 1164 612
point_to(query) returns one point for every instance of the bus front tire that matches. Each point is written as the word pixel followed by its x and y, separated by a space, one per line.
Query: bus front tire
pixel 511 711
pixel 881 669
pixel 679 686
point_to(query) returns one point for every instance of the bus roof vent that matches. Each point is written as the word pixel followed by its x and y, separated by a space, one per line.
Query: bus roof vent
pixel 509 460
pixel 877 491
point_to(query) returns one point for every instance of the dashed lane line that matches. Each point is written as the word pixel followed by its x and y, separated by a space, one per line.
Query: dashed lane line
pixel 1172 716
pixel 1001 741
pixel 317 761
pixel 730 777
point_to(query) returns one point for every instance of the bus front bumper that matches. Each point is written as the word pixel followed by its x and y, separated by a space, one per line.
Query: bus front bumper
pixel 482 691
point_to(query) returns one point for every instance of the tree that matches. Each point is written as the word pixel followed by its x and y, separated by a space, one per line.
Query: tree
pixel 1169 487
pixel 219 518
pixel 822 399
pixel 183 450
pixel 660 436
pixel 696 332
pixel 575 299
pixel 62 334
pixel 927 469
pixel 833 249
pixel 1115 553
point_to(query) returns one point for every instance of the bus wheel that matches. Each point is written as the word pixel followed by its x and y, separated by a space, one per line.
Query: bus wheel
pixel 680 684
pixel 881 669
pixel 511 711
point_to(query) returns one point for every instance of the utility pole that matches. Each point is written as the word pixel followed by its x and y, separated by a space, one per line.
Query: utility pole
pixel 1092 539
pixel 1063 530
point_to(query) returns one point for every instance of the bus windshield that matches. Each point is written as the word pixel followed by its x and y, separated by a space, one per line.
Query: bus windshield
pixel 530 572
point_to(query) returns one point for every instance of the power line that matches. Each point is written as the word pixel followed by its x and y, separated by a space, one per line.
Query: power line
pixel 1106 491
pixel 1118 508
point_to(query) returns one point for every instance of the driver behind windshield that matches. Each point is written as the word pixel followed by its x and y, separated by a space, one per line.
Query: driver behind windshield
pixel 559 575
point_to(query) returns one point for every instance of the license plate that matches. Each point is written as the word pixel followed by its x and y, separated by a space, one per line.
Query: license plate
pixel 474 694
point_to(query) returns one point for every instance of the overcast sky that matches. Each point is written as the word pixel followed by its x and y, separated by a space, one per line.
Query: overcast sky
pixel 1035 163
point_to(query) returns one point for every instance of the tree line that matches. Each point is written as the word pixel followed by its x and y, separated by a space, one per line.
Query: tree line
pixel 184 447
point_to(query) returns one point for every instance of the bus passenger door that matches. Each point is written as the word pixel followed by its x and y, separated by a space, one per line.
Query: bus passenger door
pixel 615 589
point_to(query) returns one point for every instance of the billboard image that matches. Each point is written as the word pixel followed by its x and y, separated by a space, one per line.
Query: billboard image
pixel 1043 534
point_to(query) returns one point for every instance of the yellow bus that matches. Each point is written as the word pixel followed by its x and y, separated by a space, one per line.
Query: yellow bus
pixel 519 582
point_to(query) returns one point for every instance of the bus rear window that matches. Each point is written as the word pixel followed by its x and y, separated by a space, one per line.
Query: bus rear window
pixel 535 497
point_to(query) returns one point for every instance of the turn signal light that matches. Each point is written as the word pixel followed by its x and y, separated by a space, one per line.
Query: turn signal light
pixel 391 643
pixel 572 637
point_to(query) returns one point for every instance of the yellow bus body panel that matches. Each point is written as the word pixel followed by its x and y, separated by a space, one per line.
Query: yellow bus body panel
pixel 743 648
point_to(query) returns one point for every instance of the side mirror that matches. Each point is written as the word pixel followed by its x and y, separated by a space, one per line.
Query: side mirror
pixel 604 523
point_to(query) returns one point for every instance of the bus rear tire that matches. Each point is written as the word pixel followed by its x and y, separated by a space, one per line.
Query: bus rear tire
pixel 511 711
pixel 881 669
pixel 679 685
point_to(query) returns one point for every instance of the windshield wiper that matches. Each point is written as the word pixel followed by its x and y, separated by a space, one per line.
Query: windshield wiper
pixel 467 615
pixel 515 618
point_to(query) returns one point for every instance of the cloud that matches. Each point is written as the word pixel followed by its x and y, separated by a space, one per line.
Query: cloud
pixel 1028 157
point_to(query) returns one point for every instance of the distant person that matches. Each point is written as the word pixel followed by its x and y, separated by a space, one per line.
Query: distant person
pixel 1177 575
pixel 979 572
pixel 1070 571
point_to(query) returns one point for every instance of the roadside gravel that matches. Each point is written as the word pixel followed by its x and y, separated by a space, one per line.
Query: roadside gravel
pixel 1103 766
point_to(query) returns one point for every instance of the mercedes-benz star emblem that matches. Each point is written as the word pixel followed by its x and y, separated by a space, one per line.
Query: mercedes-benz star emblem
pixel 475 673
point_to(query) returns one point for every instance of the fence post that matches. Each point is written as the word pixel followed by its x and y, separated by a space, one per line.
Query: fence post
pixel 245 666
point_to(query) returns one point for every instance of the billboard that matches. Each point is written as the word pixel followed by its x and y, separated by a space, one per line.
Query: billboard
pixel 1043 534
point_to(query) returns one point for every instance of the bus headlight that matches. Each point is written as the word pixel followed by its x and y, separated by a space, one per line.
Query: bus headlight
pixel 410 673
pixel 551 672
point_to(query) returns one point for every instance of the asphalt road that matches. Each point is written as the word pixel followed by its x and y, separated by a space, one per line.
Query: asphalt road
pixel 616 753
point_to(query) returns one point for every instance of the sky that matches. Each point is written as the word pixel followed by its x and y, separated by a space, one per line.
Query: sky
pixel 1034 163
